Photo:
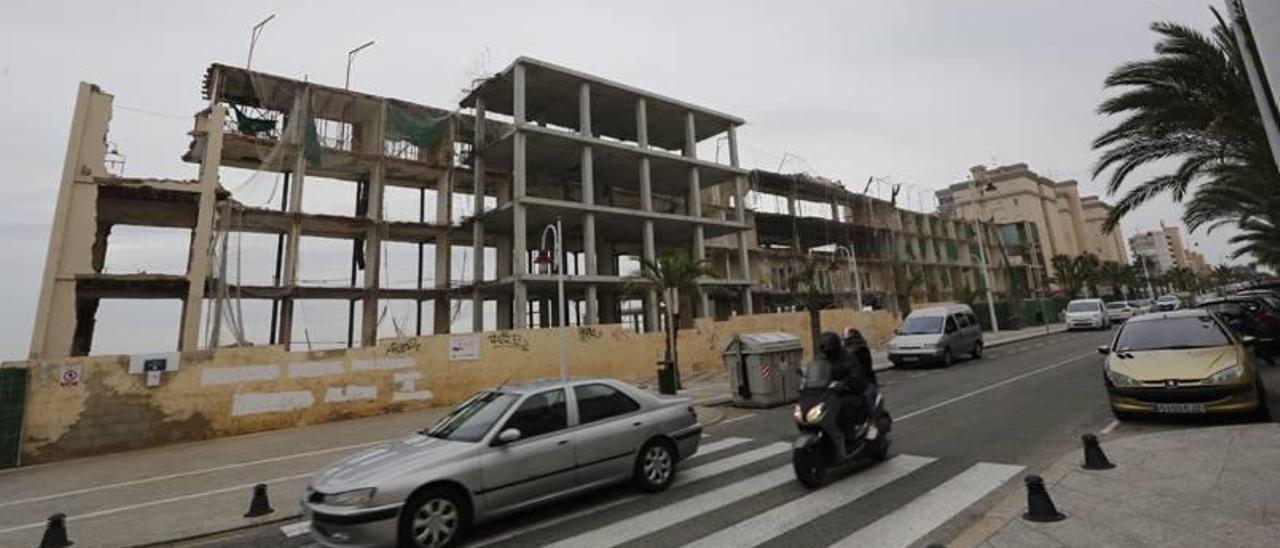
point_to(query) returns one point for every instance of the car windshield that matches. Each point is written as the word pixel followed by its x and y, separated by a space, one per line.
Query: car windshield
pixel 1082 307
pixel 472 420
pixel 922 325
pixel 1171 334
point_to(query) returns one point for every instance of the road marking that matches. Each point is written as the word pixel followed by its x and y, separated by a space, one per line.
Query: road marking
pixel 910 522
pixel 683 477
pixel 779 520
pixel 992 387
pixel 1109 428
pixel 721 445
pixel 296 529
pixel 736 419
pixel 170 500
pixel 190 473
pixel 632 528
pixel 724 465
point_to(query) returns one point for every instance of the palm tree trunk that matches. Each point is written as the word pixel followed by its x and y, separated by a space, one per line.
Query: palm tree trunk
pixel 815 327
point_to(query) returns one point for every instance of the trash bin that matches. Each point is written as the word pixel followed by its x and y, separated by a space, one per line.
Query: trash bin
pixel 762 368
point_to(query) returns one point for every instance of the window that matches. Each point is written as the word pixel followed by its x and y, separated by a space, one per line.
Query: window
pixel 951 325
pixel 961 320
pixel 598 402
pixel 1171 333
pixel 921 325
pixel 473 419
pixel 973 320
pixel 541 413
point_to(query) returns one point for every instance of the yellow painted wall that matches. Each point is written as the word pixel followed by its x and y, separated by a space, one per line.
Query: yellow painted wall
pixel 239 390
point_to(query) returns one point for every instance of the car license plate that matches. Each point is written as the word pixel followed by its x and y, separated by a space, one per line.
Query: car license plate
pixel 1179 408
pixel 909 358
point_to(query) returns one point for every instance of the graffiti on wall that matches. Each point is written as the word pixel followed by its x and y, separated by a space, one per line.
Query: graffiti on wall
pixel 509 339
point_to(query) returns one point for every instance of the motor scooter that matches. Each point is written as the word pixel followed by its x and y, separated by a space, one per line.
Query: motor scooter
pixel 816 451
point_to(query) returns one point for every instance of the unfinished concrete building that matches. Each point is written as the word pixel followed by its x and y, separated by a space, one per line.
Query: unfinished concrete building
pixel 536 143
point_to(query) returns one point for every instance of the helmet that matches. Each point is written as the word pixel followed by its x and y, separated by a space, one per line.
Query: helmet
pixel 851 332
pixel 829 345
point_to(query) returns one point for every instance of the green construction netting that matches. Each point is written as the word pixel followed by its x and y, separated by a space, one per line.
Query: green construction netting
pixel 249 125
pixel 311 141
pixel 953 251
pixel 424 132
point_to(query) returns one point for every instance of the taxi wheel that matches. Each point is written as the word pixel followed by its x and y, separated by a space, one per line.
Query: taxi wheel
pixel 655 466
pixel 433 518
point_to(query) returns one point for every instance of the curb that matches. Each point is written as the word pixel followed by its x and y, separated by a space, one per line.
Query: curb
pixel 200 539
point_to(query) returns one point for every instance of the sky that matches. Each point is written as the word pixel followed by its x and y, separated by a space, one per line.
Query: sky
pixel 916 91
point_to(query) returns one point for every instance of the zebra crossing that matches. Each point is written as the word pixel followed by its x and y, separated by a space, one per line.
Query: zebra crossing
pixel 703 506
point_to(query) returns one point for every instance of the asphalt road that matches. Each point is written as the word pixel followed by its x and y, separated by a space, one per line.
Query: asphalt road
pixel 963 438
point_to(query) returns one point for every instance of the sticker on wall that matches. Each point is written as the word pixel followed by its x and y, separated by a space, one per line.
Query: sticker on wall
pixel 69 376
pixel 464 347
pixel 159 361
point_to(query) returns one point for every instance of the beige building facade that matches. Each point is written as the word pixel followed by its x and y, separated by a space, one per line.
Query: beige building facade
pixel 1068 223
pixel 1165 249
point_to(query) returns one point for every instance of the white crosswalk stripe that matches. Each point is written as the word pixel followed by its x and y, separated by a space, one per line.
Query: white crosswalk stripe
pixel 653 521
pixel 784 518
pixel 724 465
pixel 914 520
pixel 683 515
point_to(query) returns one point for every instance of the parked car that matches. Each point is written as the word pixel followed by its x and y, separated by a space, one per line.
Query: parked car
pixel 500 451
pixel 1142 306
pixel 1119 311
pixel 1251 315
pixel 1087 314
pixel 1167 302
pixel 936 335
pixel 1182 362
pixel 1271 296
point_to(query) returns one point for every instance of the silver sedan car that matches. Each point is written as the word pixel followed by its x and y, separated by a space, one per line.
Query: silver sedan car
pixel 501 451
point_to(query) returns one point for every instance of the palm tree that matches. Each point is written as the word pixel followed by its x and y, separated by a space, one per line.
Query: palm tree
pixel 1116 276
pixel 1087 267
pixel 1064 274
pixel 671 271
pixel 1193 103
pixel 806 290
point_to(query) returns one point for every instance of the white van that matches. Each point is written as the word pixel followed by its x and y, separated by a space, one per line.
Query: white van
pixel 936 335
pixel 1087 314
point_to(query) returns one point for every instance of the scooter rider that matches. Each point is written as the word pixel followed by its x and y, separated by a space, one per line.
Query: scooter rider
pixel 859 354
pixel 832 363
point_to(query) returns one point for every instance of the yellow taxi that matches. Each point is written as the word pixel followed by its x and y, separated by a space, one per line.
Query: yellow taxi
pixel 1184 362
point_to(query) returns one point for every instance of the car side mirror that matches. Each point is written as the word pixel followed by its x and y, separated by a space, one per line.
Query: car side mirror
pixel 508 436
pixel 1248 340
pixel 1104 350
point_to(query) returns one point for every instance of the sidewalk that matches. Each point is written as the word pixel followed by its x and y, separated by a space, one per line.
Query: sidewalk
pixel 711 388
pixel 194 489
pixel 1200 487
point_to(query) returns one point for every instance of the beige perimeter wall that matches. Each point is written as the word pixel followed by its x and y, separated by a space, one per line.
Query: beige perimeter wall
pixel 86 406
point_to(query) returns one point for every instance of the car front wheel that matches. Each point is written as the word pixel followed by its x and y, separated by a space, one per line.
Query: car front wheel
pixel 977 350
pixel 433 518
pixel 947 358
pixel 655 466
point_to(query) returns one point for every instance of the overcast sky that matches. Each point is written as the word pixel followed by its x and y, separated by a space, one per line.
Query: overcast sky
pixel 917 91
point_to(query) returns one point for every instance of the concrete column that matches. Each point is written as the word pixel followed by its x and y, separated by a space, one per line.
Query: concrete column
pixel 373 144
pixel 792 211
pixel 442 319
pixel 740 216
pixel 477 226
pixel 702 304
pixel 589 198
pixel 646 204
pixel 503 268
pixel 519 184
pixel 202 236
pixel 73 231
pixel 291 256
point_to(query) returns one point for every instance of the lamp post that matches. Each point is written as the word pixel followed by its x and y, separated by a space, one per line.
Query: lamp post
pixel 982 255
pixel 556 263
pixel 253 39
pixel 853 265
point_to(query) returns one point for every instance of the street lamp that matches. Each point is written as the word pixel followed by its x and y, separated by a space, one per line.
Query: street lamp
pixel 982 255
pixel 253 39
pixel 547 264
pixel 853 265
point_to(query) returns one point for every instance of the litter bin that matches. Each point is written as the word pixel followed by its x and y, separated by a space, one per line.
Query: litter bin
pixel 762 368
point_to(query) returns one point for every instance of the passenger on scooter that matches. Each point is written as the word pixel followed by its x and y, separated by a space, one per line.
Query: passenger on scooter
pixel 855 346
pixel 832 363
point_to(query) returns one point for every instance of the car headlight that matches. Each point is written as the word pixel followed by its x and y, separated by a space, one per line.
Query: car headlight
pixel 357 497
pixel 799 415
pixel 815 413
pixel 1120 379
pixel 1228 375
pixel 929 346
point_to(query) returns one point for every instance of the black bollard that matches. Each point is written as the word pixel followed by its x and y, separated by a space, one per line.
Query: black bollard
pixel 55 534
pixel 259 505
pixel 1039 507
pixel 1094 458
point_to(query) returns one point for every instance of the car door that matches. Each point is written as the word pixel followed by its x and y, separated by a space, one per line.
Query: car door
pixel 975 326
pixel 537 466
pixel 611 428
pixel 951 335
